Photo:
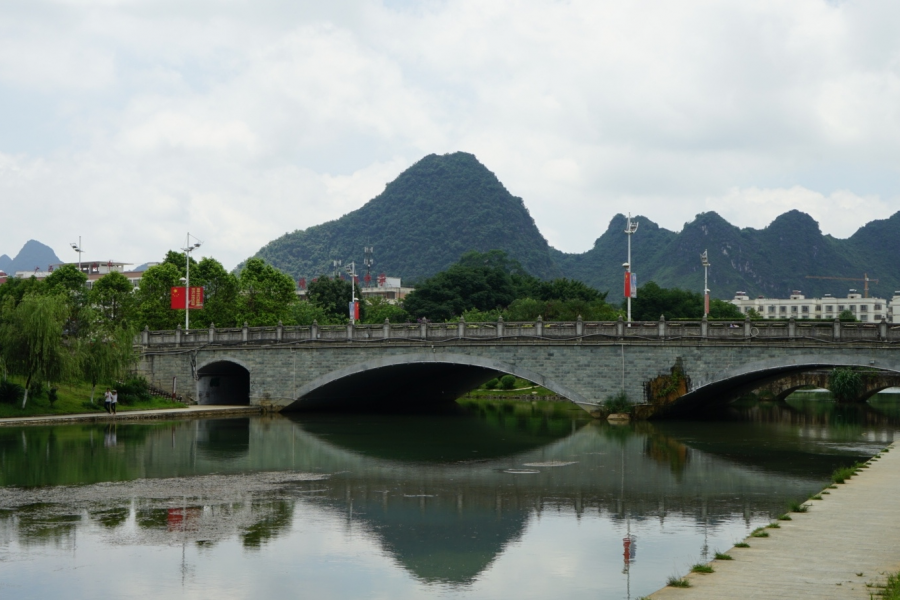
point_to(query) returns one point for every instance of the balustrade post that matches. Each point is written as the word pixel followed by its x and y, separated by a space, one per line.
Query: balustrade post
pixel 386 329
pixel 662 327
pixel 178 334
pixel 245 332
pixel 748 327
pixel 620 327
pixel 704 327
pixel 579 326
pixel 350 331
pixel 883 329
pixel 211 336
pixel 539 326
pixel 461 328
pixel 145 336
pixel 499 326
pixel 423 330
pixel 314 330
pixel 836 331
pixel 792 328
pixel 279 332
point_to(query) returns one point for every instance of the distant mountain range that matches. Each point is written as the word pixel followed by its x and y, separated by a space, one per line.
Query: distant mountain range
pixel 33 255
pixel 443 206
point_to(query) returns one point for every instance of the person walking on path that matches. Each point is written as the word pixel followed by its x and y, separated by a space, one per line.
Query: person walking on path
pixel 113 400
pixel 107 400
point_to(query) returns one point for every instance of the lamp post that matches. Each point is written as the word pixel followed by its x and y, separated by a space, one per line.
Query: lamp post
pixel 188 248
pixel 351 269
pixel 704 259
pixel 630 228
pixel 77 248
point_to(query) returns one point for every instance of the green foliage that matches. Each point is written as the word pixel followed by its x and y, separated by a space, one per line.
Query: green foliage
pixel 221 291
pixel 507 382
pixel 846 317
pixel 702 568
pixel 267 294
pixel 10 393
pixel 845 384
pixel 653 301
pixel 378 309
pixel 154 297
pixel 334 296
pixel 618 403
pixel 133 391
pixel 112 297
pixel 304 312
pixel 891 590
pixel 678 582
pixel 491 384
pixel 842 474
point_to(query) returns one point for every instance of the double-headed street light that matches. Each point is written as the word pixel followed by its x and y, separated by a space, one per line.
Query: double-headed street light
pixel 630 291
pixel 188 248
pixel 77 248
pixel 704 260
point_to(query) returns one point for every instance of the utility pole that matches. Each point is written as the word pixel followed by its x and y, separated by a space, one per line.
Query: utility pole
pixel 188 248
pixel 77 248
pixel 369 260
pixel 705 261
pixel 630 292
pixel 336 268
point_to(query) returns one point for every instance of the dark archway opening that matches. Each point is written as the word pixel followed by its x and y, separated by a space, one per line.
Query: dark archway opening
pixel 223 382
pixel 397 387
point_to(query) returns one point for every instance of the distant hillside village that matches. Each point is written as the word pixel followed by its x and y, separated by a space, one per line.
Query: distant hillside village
pixel 391 289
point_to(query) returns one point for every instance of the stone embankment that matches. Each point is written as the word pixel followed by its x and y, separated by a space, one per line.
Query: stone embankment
pixel 843 547
pixel 188 412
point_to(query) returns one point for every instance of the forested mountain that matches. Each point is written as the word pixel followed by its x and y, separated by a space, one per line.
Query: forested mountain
pixel 444 206
pixel 33 255
pixel 435 211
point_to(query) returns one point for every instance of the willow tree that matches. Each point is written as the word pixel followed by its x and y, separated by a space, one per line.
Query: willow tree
pixel 106 356
pixel 32 341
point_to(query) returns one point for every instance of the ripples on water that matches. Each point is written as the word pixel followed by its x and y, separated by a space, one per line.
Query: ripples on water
pixel 494 501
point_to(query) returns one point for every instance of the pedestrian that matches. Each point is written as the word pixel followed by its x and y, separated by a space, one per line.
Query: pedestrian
pixel 113 400
pixel 107 400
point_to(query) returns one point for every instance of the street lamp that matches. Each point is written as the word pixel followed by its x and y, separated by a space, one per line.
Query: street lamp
pixel 630 292
pixel 704 260
pixel 77 248
pixel 188 248
pixel 351 269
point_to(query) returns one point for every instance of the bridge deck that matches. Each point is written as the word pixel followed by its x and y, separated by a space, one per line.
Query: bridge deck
pixel 819 554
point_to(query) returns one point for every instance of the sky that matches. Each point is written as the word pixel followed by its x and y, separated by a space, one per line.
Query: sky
pixel 133 122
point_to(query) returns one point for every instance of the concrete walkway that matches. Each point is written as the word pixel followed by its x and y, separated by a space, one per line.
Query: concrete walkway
pixel 848 539
pixel 188 412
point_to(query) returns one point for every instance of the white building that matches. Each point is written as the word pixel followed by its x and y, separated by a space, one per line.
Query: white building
pixel 798 306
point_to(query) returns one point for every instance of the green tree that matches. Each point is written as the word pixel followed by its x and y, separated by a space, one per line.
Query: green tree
pixel 653 301
pixel 304 312
pixel 113 299
pixel 333 296
pixel 221 291
pixel 154 298
pixel 70 283
pixel 106 356
pixel 378 309
pixel 32 341
pixel 846 316
pixel 266 294
pixel 845 384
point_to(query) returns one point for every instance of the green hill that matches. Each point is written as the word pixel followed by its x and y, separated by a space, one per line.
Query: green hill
pixel 444 206
pixel 438 209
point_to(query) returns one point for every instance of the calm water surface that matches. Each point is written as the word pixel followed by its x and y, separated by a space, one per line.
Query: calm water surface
pixel 490 501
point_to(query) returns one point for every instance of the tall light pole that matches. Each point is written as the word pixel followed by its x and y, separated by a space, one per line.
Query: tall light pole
pixel 188 248
pixel 630 293
pixel 77 248
pixel 705 261
pixel 351 269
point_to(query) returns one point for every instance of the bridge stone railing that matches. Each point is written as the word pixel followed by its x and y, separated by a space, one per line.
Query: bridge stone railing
pixel 662 330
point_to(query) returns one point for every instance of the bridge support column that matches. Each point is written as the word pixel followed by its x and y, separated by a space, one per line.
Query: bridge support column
pixel 704 327
pixel 662 327
pixel 386 329
pixel 211 336
pixel 500 327
pixel 836 332
pixel 178 334
pixel 539 326
pixel 792 328
pixel 461 328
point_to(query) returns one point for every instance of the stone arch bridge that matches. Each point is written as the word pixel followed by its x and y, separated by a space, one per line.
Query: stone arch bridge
pixel 667 367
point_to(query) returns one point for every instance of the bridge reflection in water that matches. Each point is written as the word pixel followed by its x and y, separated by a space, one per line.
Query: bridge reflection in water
pixel 443 496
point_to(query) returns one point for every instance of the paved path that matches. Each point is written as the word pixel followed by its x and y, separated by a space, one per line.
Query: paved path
pixel 819 554
pixel 188 412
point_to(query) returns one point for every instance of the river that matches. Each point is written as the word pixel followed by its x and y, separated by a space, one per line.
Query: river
pixel 482 500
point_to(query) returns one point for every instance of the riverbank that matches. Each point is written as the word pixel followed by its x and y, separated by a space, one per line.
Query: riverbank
pixel 844 546
pixel 183 412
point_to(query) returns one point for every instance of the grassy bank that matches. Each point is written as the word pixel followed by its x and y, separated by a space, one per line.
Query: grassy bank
pixel 520 389
pixel 74 398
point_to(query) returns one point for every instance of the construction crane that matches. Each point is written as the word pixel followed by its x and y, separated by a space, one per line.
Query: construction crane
pixel 865 279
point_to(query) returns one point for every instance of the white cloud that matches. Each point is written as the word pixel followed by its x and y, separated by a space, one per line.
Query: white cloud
pixel 242 120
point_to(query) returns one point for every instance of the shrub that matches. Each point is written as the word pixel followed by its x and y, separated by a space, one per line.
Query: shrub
pixel 134 390
pixel 507 382
pixel 618 403
pixel 10 393
pixel 845 384
pixel 492 384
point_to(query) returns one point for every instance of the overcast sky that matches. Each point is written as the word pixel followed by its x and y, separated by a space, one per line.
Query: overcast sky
pixel 131 122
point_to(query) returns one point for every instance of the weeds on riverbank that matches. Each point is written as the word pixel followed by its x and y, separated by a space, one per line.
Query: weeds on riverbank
pixel 742 545
pixel 798 507
pixel 891 589
pixel 702 568
pixel 722 556
pixel 759 532
pixel 678 582
pixel 844 473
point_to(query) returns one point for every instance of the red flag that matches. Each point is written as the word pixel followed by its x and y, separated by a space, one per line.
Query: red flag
pixel 627 284
pixel 178 297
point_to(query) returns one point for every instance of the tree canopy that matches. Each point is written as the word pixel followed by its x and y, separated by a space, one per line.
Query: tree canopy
pixel 654 301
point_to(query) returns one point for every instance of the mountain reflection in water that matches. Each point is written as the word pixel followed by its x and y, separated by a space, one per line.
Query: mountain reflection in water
pixel 445 497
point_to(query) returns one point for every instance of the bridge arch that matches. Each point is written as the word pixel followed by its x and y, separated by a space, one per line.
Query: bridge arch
pixel 406 377
pixel 734 381
pixel 223 381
